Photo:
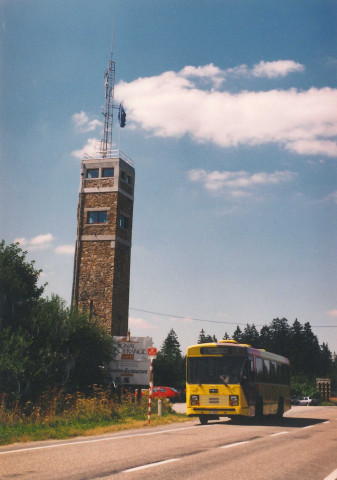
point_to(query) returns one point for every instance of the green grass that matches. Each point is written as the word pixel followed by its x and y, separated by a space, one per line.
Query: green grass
pixel 60 416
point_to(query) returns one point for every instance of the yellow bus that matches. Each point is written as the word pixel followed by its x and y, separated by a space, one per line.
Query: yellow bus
pixel 228 379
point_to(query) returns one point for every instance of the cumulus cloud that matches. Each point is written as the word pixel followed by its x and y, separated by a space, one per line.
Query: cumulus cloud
pixel 175 104
pixel 280 68
pixel 237 183
pixel 90 148
pixel 65 250
pixel 83 124
pixel 35 243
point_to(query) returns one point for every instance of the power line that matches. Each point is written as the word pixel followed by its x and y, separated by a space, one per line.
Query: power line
pixel 215 321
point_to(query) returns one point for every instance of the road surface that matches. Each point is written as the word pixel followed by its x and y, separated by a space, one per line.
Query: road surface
pixel 304 447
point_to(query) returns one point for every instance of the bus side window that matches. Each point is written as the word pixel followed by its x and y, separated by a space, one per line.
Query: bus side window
pixel 259 369
pixel 266 370
pixel 250 369
pixel 273 372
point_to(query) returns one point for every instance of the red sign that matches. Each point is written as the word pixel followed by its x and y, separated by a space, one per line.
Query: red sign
pixel 152 352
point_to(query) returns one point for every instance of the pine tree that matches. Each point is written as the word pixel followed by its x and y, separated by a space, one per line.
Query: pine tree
pixel 169 366
pixel 237 335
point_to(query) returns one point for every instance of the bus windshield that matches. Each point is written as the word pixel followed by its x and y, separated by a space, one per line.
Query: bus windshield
pixel 215 370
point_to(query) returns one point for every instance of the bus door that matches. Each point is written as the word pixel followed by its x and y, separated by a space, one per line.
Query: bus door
pixel 248 383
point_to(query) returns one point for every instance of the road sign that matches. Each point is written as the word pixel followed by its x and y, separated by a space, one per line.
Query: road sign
pixel 152 352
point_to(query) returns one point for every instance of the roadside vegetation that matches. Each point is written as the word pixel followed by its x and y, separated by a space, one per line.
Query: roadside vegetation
pixel 58 415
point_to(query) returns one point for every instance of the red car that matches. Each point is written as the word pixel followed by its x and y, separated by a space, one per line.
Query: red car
pixel 166 392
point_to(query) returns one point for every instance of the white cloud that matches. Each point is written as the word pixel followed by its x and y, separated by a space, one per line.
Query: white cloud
pixel 331 197
pixel 83 124
pixel 172 105
pixel 279 68
pixel 141 324
pixel 65 250
pixel 89 148
pixel 35 243
pixel 237 183
pixel 209 72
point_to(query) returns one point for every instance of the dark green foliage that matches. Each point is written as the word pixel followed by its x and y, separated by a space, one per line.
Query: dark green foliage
pixel 19 291
pixel 298 343
pixel 203 338
pixel 169 366
pixel 43 344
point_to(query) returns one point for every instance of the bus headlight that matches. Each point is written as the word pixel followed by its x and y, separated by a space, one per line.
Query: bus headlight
pixel 194 399
pixel 234 400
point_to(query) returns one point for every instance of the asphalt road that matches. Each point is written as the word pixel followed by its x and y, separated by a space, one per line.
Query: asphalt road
pixel 303 446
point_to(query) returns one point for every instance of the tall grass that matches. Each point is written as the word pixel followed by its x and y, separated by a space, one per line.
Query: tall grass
pixel 60 415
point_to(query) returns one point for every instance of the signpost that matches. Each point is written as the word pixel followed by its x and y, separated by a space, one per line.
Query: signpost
pixel 152 353
pixel 131 364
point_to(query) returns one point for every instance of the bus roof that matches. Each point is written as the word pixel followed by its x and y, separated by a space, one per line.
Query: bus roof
pixel 250 350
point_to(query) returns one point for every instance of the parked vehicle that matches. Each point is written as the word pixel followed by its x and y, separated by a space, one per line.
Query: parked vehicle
pixel 166 392
pixel 308 401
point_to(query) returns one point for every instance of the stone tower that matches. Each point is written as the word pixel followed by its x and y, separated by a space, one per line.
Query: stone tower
pixel 103 245
pixel 104 226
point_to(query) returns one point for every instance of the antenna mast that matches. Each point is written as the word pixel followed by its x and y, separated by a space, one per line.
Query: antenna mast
pixel 109 76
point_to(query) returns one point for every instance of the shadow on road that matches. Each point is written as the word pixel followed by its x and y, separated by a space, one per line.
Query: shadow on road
pixel 289 422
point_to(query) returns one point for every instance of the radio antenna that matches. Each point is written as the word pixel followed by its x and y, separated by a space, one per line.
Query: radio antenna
pixel 106 143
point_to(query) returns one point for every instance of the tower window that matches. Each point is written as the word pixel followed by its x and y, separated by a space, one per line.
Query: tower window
pixel 124 222
pixel 126 178
pixel 97 217
pixel 108 172
pixel 92 173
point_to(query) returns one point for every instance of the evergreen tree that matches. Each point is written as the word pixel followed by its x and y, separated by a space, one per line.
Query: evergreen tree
pixel 169 366
pixel 280 336
pixel 250 335
pixel 265 340
pixel 202 336
pixel 237 335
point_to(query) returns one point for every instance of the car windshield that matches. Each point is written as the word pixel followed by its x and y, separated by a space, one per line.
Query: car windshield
pixel 214 369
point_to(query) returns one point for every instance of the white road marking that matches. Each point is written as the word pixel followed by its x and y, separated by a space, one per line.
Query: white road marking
pixel 80 442
pixel 235 444
pixel 332 476
pixel 149 465
pixel 279 433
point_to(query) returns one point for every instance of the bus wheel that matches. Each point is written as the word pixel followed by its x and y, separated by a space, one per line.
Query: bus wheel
pixel 280 408
pixel 203 419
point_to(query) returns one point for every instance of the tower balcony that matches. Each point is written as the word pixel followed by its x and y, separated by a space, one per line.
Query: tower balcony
pixel 103 155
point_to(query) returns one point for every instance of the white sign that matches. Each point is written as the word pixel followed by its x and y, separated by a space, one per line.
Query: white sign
pixel 132 364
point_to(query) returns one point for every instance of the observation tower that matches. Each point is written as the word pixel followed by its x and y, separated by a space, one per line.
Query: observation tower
pixel 101 280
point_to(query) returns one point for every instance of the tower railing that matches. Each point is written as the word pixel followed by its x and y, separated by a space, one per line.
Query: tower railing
pixel 103 155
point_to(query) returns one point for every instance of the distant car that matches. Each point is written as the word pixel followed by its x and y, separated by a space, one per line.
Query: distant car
pixel 166 392
pixel 295 401
pixel 308 401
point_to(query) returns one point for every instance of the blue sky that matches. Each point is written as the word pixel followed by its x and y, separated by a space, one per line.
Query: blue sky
pixel 232 126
